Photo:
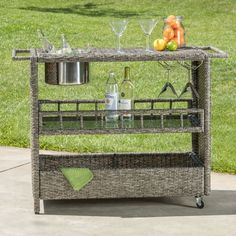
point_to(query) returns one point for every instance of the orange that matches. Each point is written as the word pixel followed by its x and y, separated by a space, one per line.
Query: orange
pixel 179 32
pixel 168 33
pixel 182 42
pixel 170 18
pixel 179 36
pixel 166 39
pixel 175 24
pixel 159 44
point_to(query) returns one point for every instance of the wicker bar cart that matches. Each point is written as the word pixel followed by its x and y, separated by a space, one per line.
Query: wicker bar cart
pixel 124 175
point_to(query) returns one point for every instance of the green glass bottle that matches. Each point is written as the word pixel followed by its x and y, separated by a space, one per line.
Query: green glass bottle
pixel 126 95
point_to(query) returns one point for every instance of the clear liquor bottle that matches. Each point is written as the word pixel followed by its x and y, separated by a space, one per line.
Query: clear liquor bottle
pixel 65 45
pixel 111 98
pixel 126 95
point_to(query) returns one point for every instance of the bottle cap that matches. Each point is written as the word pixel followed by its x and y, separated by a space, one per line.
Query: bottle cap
pixel 112 74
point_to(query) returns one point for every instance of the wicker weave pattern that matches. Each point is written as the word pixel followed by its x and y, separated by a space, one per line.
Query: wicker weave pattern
pixel 120 161
pixel 193 53
pixel 148 120
pixel 51 71
pixel 204 139
pixel 131 54
pixel 124 175
pixel 34 131
pixel 125 183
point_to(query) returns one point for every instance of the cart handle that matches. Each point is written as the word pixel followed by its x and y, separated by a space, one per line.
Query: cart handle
pixel 217 53
pixel 15 53
pixel 212 52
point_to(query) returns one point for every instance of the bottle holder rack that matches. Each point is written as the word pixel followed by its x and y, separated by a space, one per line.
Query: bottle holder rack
pixel 88 117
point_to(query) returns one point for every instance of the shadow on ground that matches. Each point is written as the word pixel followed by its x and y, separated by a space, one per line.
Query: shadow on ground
pixel 88 9
pixel 220 202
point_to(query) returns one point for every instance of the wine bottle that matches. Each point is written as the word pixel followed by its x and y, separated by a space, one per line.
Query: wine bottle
pixel 111 98
pixel 126 95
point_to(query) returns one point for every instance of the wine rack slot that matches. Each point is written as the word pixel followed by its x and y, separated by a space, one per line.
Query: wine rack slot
pixel 65 120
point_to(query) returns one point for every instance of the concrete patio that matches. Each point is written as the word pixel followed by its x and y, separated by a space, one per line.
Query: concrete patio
pixel 162 216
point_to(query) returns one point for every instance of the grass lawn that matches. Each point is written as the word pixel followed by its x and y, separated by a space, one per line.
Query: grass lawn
pixel 207 22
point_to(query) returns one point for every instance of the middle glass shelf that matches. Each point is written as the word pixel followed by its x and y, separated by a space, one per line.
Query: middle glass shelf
pixel 67 117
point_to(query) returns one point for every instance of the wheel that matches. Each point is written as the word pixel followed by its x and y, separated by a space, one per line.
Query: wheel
pixel 199 202
pixel 200 205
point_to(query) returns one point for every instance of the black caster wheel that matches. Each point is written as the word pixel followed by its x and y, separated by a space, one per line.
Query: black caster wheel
pixel 199 202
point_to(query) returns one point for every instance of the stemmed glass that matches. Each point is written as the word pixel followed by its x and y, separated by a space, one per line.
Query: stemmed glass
pixel 168 90
pixel 118 27
pixel 47 46
pixel 147 26
pixel 189 89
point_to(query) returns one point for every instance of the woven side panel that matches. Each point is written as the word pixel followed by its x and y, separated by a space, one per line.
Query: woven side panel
pixel 118 161
pixel 51 73
pixel 124 175
pixel 126 183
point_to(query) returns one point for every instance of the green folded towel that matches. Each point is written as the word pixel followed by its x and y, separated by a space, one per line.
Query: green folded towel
pixel 77 177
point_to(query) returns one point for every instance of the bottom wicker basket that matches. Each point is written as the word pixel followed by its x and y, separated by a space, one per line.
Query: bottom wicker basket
pixel 124 175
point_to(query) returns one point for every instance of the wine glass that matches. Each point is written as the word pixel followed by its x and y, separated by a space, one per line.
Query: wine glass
pixel 168 90
pixel 147 26
pixel 189 89
pixel 47 46
pixel 118 27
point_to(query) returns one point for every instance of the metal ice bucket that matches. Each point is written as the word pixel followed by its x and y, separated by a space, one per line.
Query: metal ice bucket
pixel 67 73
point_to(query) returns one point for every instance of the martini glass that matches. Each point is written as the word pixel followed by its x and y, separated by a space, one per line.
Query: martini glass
pixel 147 26
pixel 168 90
pixel 189 90
pixel 47 46
pixel 118 27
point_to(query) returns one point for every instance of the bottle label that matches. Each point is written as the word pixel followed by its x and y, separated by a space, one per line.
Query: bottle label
pixel 125 104
pixel 111 101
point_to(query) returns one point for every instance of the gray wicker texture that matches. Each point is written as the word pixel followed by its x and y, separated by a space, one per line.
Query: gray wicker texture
pixel 131 54
pixel 201 143
pixel 34 132
pixel 193 53
pixel 147 120
pixel 124 175
pixel 51 73
pixel 204 139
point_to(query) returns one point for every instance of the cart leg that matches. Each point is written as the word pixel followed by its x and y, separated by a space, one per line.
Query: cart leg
pixel 36 205
pixel 201 142
pixel 34 142
pixel 205 138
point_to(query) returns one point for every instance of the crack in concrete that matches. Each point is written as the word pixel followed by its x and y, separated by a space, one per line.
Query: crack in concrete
pixel 14 167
